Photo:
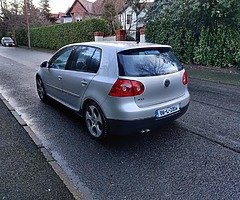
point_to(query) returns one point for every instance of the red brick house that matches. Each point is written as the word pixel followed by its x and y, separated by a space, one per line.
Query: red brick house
pixel 81 9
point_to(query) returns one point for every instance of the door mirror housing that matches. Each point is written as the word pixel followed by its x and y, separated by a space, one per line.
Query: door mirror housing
pixel 44 64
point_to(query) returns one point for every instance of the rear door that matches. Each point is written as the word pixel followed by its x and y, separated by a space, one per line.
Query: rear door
pixel 78 75
pixel 159 71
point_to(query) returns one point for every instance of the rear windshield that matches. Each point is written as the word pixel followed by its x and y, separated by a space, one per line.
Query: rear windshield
pixel 148 62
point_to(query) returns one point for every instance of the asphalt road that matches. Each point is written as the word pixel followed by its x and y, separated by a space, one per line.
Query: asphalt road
pixel 197 157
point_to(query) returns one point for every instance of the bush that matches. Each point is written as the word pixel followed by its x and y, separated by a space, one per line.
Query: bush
pixel 219 47
pixel 180 39
pixel 56 36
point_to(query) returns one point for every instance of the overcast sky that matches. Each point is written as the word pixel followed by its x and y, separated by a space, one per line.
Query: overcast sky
pixel 58 5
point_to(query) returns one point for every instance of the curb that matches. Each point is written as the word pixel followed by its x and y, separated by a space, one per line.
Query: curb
pixel 55 166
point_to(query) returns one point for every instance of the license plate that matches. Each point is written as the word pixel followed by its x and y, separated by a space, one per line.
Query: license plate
pixel 167 111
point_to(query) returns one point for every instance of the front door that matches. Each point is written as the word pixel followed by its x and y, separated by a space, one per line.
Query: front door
pixel 53 74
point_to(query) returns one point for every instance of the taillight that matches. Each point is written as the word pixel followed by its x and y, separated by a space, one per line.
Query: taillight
pixel 126 88
pixel 185 80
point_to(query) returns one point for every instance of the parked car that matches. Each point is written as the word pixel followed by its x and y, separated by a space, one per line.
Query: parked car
pixel 118 87
pixel 7 42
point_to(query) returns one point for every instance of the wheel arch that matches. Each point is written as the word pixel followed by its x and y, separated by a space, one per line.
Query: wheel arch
pixel 88 100
pixel 38 76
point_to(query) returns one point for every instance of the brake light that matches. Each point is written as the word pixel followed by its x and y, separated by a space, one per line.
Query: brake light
pixel 185 80
pixel 126 88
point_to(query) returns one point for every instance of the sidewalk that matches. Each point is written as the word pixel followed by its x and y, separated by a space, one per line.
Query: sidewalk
pixel 24 171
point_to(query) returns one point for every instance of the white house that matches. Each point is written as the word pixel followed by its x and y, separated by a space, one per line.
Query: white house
pixel 130 21
pixel 67 19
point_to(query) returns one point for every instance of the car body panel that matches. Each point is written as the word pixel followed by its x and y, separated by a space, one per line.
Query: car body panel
pixel 52 82
pixel 74 84
pixel 156 92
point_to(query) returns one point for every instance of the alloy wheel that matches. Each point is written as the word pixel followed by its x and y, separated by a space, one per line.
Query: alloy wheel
pixel 40 89
pixel 94 121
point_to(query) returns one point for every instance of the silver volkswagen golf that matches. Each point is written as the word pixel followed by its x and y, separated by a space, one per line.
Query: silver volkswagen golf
pixel 118 87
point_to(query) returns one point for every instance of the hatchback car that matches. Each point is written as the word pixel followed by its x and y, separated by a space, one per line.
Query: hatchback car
pixel 7 42
pixel 118 87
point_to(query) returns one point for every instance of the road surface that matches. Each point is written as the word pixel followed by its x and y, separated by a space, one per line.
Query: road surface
pixel 196 157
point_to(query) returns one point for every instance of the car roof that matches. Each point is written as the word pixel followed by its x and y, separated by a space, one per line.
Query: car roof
pixel 121 45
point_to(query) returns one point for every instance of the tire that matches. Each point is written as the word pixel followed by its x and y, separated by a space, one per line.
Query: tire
pixel 95 121
pixel 41 90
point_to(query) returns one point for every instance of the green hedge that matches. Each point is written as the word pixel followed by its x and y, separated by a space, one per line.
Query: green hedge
pixel 56 36
pixel 220 47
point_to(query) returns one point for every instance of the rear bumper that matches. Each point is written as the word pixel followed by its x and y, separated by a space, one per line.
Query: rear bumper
pixel 122 127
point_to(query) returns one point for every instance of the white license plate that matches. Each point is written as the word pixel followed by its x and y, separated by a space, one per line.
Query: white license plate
pixel 167 111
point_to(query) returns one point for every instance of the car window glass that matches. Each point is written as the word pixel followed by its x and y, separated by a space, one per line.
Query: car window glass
pixel 148 62
pixel 59 61
pixel 84 56
pixel 95 61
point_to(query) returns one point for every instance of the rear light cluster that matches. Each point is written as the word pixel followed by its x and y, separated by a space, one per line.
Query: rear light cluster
pixel 126 88
pixel 185 80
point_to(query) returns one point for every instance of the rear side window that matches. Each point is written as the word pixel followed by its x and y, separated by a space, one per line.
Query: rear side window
pixel 95 62
pixel 148 62
pixel 87 59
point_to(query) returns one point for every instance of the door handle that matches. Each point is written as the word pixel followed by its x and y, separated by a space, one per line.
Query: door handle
pixel 84 83
pixel 59 78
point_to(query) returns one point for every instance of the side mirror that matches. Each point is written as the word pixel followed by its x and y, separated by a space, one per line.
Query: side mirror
pixel 44 64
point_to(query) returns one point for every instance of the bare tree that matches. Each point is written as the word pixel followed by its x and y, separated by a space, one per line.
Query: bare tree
pixel 11 16
pixel 137 7
pixel 45 9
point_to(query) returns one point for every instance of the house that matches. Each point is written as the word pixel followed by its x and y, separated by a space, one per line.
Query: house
pixel 81 9
pixel 130 20
pixel 133 21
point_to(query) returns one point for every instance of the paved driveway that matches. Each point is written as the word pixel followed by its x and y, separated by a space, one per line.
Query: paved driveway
pixel 197 157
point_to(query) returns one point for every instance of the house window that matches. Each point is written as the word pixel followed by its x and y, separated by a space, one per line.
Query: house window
pixel 129 19
pixel 78 18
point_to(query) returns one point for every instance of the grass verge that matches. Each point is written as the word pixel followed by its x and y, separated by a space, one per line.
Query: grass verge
pixel 222 75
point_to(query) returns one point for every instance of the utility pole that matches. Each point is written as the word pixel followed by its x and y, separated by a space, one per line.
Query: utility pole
pixel 27 21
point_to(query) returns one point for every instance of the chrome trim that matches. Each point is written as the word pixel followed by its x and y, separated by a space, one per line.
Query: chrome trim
pixel 70 93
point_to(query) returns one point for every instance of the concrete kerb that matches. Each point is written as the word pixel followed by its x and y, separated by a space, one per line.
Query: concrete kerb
pixel 55 166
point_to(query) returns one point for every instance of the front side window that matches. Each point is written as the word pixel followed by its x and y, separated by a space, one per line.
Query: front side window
pixel 59 61
pixel 148 62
